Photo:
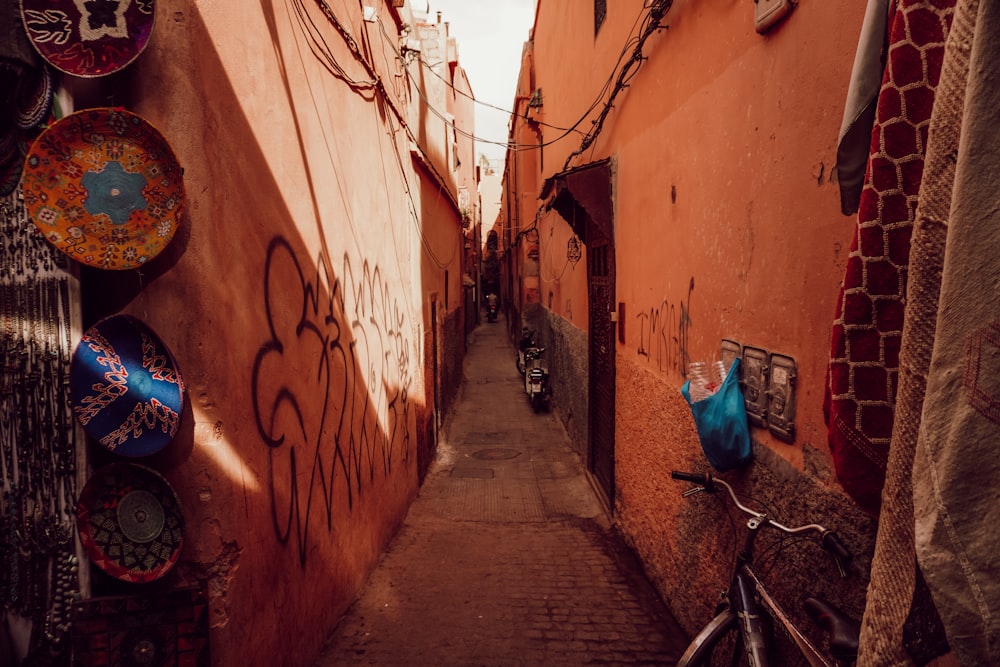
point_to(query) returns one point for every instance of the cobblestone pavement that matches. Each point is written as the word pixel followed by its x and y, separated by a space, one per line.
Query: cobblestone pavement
pixel 506 558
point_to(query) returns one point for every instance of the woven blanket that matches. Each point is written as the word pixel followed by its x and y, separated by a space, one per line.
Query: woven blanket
pixel 865 341
pixel 901 625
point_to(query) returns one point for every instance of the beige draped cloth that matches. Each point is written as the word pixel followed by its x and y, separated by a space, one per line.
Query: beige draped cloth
pixel 956 467
pixel 940 512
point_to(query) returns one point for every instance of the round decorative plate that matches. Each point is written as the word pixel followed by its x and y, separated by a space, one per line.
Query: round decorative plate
pixel 35 97
pixel 104 187
pixel 11 161
pixel 125 387
pixel 88 38
pixel 130 522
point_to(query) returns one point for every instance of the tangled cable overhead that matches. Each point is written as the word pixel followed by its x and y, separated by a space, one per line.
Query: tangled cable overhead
pixel 651 24
pixel 322 50
pixel 622 73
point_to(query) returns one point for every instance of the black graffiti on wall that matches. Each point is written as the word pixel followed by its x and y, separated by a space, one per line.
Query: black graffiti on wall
pixel 663 333
pixel 330 388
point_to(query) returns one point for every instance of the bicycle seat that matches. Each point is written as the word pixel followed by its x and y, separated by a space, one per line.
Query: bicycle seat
pixel 844 630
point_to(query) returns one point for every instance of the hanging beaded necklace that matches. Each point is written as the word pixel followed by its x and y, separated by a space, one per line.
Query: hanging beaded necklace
pixel 38 566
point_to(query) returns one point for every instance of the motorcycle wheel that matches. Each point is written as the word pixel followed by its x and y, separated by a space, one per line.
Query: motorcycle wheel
pixel 536 402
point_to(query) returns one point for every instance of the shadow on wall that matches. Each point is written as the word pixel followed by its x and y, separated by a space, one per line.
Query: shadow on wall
pixel 298 451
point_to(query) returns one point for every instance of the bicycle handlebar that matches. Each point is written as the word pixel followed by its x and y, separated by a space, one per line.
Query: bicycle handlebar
pixel 703 478
pixel 829 540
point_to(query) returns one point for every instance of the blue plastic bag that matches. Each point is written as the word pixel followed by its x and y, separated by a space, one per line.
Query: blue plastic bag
pixel 722 423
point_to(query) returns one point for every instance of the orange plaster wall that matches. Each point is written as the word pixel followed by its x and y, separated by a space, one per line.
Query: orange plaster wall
pixel 563 281
pixel 293 301
pixel 727 225
pixel 722 148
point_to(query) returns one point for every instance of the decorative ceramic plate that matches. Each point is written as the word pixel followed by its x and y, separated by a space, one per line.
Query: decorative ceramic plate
pixel 130 522
pixel 11 162
pixel 104 187
pixel 88 38
pixel 35 98
pixel 125 386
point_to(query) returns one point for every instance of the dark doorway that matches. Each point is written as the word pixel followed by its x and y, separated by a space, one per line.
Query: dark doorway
pixel 601 293
pixel 583 197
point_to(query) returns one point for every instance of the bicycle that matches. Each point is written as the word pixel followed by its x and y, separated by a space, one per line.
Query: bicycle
pixel 748 612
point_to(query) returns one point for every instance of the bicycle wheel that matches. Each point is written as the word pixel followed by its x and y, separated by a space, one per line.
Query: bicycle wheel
pixel 719 643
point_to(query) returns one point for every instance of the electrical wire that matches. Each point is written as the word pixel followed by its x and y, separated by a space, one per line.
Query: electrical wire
pixel 322 51
pixel 541 266
pixel 651 24
pixel 450 123
pixel 431 67
pixel 649 19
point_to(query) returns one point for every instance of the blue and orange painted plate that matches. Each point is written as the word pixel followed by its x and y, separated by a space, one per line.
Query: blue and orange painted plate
pixel 125 387
pixel 130 522
pixel 88 38
pixel 104 187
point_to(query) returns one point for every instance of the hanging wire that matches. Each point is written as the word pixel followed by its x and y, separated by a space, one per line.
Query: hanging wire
pixel 466 95
pixel 651 24
pixel 322 51
pixel 505 144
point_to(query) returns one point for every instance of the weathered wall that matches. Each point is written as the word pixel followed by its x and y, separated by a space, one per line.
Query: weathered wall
pixel 726 225
pixel 454 354
pixel 292 299
pixel 687 545
pixel 446 185
pixel 566 355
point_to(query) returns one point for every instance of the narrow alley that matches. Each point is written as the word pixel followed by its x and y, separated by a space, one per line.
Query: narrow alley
pixel 506 557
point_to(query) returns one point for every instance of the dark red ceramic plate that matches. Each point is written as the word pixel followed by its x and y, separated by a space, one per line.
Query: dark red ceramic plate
pixel 88 39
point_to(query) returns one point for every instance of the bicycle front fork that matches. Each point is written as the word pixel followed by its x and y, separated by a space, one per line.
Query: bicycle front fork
pixel 754 629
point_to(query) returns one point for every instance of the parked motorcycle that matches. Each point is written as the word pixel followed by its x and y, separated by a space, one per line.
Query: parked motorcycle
pixel 536 379
pixel 527 341
pixel 492 307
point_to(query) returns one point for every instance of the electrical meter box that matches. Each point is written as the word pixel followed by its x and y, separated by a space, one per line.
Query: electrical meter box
pixel 781 397
pixel 766 13
pixel 755 371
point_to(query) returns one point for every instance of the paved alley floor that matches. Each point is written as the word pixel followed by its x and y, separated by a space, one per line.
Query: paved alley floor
pixel 506 558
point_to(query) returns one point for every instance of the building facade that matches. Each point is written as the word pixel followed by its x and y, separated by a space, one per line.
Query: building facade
pixel 312 297
pixel 670 197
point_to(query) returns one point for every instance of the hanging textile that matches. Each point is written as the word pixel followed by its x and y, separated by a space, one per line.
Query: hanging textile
pixel 955 465
pixel 898 598
pixel 868 322
pixel 855 136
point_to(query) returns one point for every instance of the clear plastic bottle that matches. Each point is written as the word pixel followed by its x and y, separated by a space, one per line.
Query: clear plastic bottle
pixel 720 371
pixel 706 378
pixel 698 373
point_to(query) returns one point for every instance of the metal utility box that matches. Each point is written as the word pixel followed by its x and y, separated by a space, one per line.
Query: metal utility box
pixel 766 13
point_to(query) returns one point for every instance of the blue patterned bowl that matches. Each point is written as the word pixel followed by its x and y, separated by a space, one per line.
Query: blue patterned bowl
pixel 126 388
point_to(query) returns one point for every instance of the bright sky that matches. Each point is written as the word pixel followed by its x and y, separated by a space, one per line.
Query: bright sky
pixel 490 36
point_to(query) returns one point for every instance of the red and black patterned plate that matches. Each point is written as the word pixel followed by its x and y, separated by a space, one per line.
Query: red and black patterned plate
pixel 130 522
